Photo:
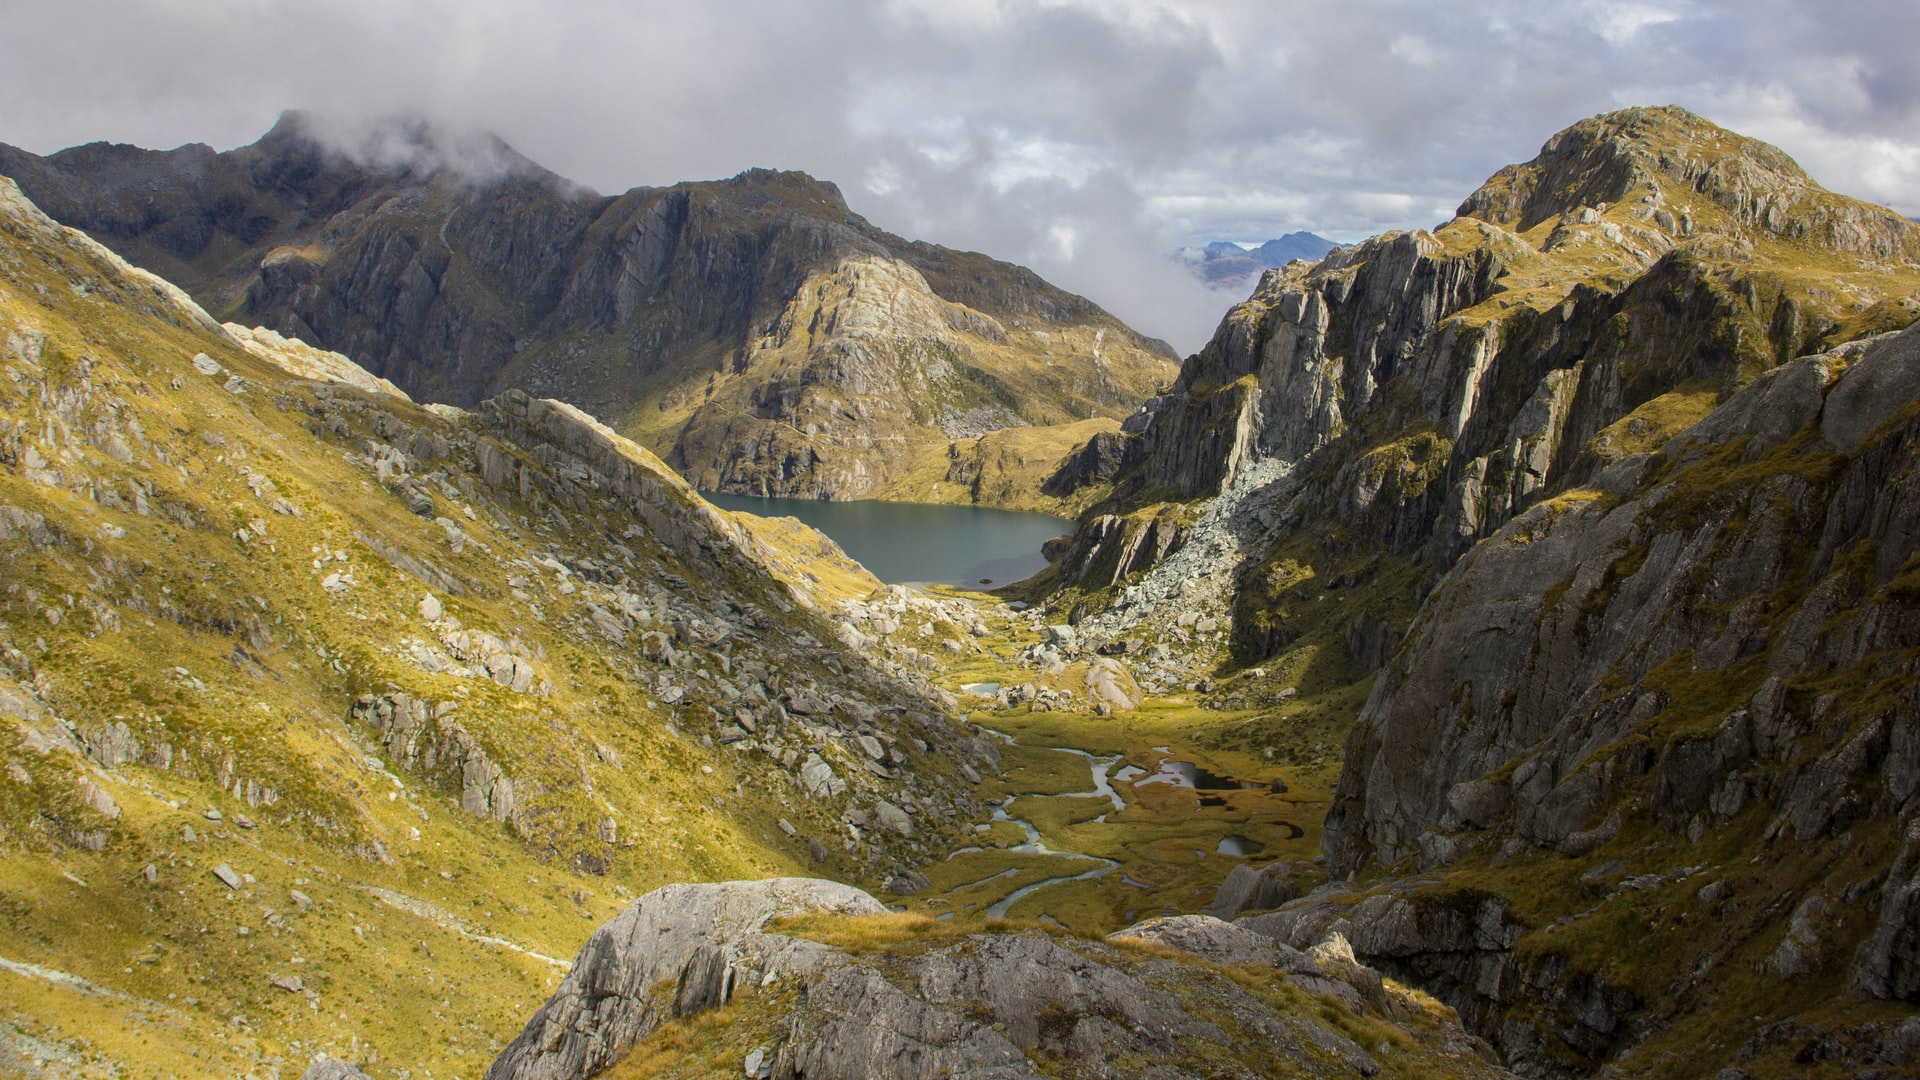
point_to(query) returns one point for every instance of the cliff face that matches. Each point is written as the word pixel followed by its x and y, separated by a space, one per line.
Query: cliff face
pixel 1675 707
pixel 743 328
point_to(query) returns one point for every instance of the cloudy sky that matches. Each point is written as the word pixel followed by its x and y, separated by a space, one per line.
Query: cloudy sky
pixel 1085 138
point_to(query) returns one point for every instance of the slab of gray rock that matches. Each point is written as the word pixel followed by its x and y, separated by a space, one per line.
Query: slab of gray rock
pixel 332 1069
pixel 606 1003
pixel 991 1006
pixel 1251 888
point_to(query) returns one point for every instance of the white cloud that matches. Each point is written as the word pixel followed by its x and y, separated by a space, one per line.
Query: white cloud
pixel 1087 136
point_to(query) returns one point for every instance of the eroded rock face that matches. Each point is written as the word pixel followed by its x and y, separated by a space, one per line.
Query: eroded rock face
pixel 1598 591
pixel 1714 644
pixel 1000 1005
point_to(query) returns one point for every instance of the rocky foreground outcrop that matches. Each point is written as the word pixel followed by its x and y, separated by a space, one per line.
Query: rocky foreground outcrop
pixel 913 999
pixel 755 332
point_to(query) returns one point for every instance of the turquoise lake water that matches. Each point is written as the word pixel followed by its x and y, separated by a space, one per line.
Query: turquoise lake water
pixel 910 543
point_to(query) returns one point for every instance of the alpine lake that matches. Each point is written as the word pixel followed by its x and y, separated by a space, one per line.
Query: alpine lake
pixel 921 544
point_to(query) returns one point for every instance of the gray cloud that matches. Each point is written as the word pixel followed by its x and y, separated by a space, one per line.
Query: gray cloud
pixel 1083 137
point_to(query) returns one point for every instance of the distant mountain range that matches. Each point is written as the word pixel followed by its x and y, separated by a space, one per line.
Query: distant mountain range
pixel 1225 264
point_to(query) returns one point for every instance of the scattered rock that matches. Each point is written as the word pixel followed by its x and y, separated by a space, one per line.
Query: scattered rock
pixel 227 876
pixel 892 817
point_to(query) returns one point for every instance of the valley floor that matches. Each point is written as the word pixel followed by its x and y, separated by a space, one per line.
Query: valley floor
pixel 1101 821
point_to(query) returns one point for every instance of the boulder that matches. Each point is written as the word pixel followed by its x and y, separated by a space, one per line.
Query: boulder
pixel 701 939
pixel 893 818
pixel 908 882
pixel 1250 888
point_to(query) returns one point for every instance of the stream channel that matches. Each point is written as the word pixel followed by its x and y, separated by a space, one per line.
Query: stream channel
pixel 1033 845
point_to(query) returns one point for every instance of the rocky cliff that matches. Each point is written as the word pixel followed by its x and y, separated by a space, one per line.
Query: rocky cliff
pixel 1630 790
pixel 1678 706
pixel 755 332
pixel 1368 418
pixel 331 720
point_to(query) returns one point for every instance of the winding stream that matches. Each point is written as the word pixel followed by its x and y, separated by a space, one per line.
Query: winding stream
pixel 1033 845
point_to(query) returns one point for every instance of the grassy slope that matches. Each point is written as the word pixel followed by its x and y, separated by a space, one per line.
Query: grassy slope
pixel 231 650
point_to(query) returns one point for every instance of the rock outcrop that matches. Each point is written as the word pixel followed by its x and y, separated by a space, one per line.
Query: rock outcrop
pixel 755 332
pixel 705 939
pixel 1003 1005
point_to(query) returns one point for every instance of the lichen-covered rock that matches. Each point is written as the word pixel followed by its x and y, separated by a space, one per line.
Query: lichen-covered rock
pixel 991 1005
pixel 698 933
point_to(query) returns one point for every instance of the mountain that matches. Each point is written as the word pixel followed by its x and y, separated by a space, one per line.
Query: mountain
pixel 332 721
pixel 1544 500
pixel 1225 265
pixel 755 332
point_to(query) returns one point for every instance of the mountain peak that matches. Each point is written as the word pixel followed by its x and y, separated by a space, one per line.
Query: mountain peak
pixel 402 145
pixel 1601 159
pixel 1716 181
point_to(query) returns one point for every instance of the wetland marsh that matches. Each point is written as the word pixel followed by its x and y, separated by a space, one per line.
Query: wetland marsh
pixel 1101 821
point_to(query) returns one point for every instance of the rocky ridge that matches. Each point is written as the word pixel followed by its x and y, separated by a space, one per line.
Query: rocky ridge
pixel 1644 732
pixel 1406 396
pixel 755 332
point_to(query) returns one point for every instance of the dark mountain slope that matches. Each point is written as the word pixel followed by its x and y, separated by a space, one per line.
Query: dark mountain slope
pixel 460 269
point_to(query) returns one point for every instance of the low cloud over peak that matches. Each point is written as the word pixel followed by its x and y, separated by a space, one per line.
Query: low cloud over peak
pixel 1084 137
